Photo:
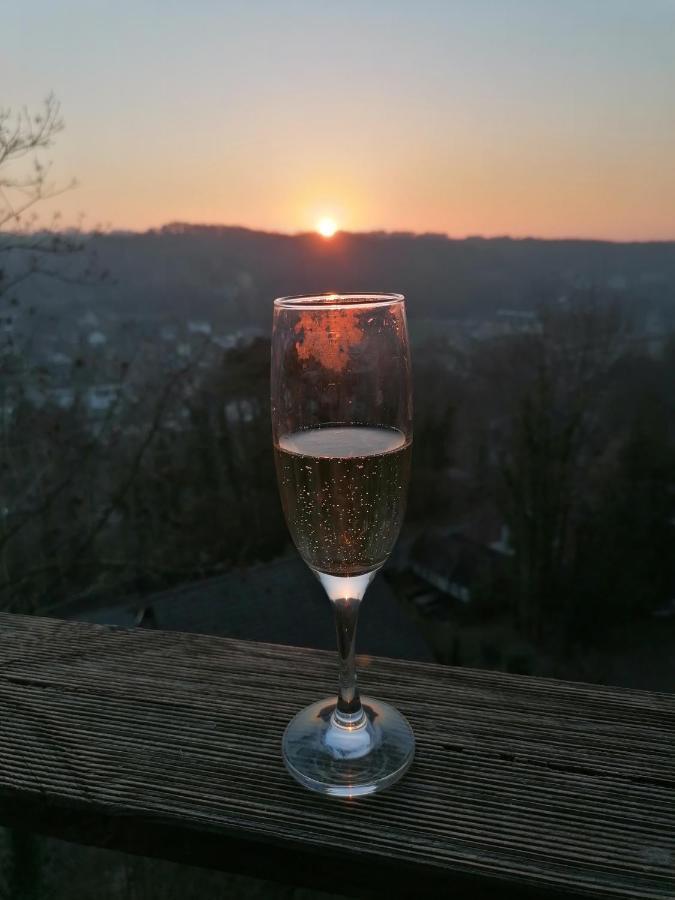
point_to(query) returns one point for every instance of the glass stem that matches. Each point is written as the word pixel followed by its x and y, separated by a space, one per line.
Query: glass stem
pixel 349 711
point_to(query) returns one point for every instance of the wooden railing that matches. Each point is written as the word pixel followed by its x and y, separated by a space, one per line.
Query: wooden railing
pixel 168 745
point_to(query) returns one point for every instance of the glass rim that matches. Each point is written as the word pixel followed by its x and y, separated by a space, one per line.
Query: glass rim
pixel 337 301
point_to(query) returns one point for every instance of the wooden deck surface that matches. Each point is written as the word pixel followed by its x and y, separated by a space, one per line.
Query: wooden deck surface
pixel 168 744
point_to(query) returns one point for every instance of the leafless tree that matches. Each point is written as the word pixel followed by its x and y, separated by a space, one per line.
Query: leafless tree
pixel 29 245
pixel 24 185
pixel 62 479
pixel 544 388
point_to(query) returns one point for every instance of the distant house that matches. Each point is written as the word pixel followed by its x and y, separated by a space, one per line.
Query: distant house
pixel 454 565
pixel 503 543
pixel 199 327
pixel 168 333
pixel 59 359
pixel 464 560
pixel 88 320
pixel 100 397
pixel 617 283
pixel 97 339
pixel 239 411
pixel 518 320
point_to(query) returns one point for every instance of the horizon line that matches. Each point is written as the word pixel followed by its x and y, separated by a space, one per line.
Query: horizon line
pixel 374 232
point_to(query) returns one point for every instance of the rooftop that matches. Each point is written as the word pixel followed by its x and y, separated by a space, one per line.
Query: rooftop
pixel 279 602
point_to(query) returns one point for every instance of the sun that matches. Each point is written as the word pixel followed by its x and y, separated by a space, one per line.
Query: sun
pixel 326 227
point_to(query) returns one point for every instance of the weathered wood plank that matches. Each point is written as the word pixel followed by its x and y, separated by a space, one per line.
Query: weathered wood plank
pixel 169 744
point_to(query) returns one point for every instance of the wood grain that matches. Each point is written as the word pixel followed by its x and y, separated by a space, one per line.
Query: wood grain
pixel 168 744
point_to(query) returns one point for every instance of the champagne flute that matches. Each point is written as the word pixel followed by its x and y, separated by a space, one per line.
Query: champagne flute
pixel 342 432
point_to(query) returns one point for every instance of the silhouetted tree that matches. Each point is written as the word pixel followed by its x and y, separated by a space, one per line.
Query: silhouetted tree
pixel 544 389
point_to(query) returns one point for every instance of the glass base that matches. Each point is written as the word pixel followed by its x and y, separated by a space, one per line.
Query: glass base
pixel 348 761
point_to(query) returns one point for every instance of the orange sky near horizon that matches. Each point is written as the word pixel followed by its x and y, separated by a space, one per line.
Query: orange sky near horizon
pixel 521 119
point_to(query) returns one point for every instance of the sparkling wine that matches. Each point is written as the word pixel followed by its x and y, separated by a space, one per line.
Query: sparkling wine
pixel 343 490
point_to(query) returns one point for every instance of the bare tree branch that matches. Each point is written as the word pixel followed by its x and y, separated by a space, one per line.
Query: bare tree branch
pixel 22 133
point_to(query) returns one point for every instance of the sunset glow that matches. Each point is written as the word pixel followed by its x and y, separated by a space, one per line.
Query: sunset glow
pixel 326 227
pixel 521 119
